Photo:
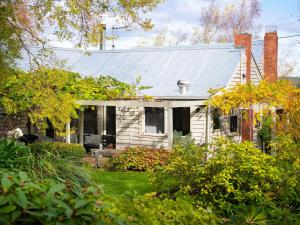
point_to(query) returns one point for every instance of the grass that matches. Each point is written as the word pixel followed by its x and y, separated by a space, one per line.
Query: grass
pixel 117 183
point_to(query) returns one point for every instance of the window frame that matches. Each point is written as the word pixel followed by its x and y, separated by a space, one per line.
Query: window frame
pixel 144 133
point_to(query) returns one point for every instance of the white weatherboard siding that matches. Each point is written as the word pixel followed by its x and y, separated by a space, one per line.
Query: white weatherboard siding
pixel 198 124
pixel 237 77
pixel 130 129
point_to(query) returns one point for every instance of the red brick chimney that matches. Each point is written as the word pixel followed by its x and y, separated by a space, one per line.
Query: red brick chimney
pixel 270 55
pixel 245 40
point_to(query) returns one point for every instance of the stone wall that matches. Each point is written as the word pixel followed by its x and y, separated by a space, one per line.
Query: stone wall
pixel 11 122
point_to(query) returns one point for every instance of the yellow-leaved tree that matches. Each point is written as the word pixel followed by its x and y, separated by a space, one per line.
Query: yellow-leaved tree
pixel 279 101
pixel 52 93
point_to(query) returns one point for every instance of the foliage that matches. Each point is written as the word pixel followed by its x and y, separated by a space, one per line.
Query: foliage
pixel 25 201
pixel 182 168
pixel 57 148
pixel 286 149
pixel 178 139
pixel 238 181
pixel 152 210
pixel 46 202
pixel 52 93
pixel 235 173
pixel 227 183
pixel 15 155
pixel 265 133
pixel 138 158
pixel 26 22
pixel 42 163
pixel 267 97
pixel 287 153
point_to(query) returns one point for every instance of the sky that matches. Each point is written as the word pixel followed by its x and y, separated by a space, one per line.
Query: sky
pixel 184 15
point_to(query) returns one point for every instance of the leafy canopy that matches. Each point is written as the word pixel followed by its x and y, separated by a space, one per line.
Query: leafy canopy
pixel 265 98
pixel 27 22
pixel 52 93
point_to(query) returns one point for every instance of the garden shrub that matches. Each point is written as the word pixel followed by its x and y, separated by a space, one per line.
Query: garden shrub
pixel 150 210
pixel 235 179
pixel 138 158
pixel 235 173
pixel 181 168
pixel 27 201
pixel 179 139
pixel 41 162
pixel 286 151
pixel 62 149
pixel 15 155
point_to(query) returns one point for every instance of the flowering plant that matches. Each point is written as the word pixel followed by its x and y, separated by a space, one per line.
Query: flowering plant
pixel 15 133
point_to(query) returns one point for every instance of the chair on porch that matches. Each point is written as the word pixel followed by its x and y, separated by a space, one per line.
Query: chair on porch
pixel 91 141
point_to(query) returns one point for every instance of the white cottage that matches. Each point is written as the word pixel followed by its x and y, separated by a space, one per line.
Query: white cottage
pixel 181 78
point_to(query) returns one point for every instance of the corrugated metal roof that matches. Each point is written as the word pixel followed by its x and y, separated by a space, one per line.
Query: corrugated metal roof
pixel 207 66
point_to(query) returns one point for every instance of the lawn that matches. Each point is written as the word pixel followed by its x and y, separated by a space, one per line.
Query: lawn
pixel 117 183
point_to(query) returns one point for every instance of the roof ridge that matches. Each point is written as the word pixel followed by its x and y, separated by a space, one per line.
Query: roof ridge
pixel 150 49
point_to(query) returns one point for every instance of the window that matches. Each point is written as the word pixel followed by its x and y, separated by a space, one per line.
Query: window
pixel 233 123
pixel 216 119
pixel 154 120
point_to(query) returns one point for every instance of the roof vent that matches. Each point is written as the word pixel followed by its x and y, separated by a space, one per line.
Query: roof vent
pixel 184 86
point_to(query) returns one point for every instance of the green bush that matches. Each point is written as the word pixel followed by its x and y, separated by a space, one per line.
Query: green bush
pixel 181 169
pixel 236 173
pixel 15 155
pixel 59 164
pixel 287 198
pixel 179 139
pixel 24 201
pixel 139 158
pixel 62 149
pixel 150 210
pixel 235 179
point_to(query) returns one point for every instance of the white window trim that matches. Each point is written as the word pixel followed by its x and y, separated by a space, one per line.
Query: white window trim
pixel 142 132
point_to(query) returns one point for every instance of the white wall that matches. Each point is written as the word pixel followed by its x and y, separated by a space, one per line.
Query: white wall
pixel 130 129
